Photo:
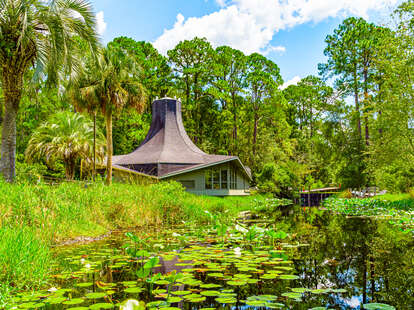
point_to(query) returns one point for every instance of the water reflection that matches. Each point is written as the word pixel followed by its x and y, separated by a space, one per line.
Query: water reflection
pixel 372 259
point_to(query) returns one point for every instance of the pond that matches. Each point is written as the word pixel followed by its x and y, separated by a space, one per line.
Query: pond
pixel 327 261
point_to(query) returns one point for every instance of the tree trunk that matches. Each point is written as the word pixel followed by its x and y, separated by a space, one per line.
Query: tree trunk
pixel 12 90
pixel 109 146
pixel 234 124
pixel 69 169
pixel 366 106
pixel 256 120
pixel 94 146
pixel 356 94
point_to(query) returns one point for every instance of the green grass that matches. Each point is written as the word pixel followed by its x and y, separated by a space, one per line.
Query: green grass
pixel 24 260
pixel 394 197
pixel 35 217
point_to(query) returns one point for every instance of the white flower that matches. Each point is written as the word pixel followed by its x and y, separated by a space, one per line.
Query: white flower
pixel 82 261
pixel 88 266
pixel 240 228
pixel 237 252
pixel 129 305
pixel 175 234
pixel 52 289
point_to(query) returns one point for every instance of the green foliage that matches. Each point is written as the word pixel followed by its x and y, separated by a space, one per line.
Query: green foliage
pixel 24 260
pixel 281 180
pixel 398 210
pixel 67 137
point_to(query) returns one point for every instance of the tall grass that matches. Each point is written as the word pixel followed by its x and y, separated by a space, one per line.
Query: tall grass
pixel 73 209
pixel 24 260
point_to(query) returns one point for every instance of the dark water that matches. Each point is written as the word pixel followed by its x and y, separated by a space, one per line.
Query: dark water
pixel 370 259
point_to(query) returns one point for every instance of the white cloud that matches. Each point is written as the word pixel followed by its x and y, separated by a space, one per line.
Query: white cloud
pixel 293 81
pixel 250 25
pixel 221 3
pixel 274 49
pixel 100 23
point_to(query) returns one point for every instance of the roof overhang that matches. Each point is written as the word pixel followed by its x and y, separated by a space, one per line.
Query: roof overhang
pixel 203 166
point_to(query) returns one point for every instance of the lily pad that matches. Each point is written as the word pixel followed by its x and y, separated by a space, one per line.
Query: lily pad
pixel 84 284
pixel 226 300
pixel 180 293
pixel 74 301
pixel 102 305
pixel 96 295
pixel 377 306
pixel 210 293
pixel 174 299
pixel 288 277
pixel 133 290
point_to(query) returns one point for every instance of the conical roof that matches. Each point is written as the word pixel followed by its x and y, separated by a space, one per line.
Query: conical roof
pixel 167 144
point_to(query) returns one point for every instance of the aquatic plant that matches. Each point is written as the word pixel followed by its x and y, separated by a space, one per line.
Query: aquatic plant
pixel 400 212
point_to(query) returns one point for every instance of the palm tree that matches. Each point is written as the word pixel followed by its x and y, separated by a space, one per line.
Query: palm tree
pixel 68 137
pixel 43 34
pixel 109 83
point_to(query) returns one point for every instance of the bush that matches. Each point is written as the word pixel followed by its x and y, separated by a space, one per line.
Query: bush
pixel 396 178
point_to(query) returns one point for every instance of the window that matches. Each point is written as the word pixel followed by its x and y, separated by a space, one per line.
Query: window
pixel 208 179
pixel 216 179
pixel 188 184
pixel 224 179
pixel 233 179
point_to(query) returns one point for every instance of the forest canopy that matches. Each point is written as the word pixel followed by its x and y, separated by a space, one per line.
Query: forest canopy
pixel 352 125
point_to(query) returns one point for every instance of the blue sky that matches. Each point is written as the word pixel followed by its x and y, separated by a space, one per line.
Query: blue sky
pixel 290 32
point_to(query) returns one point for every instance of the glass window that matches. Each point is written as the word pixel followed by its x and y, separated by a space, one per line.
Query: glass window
pixel 188 184
pixel 216 179
pixel 233 179
pixel 224 184
pixel 208 179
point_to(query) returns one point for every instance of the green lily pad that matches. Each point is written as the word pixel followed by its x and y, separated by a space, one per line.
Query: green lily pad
pixel 210 293
pixel 158 303
pixel 300 289
pixel 210 285
pixel 96 295
pixel 55 300
pixel 133 290
pixel 237 282
pixel 288 277
pixel 74 301
pixel 320 291
pixel 102 305
pixel 377 306
pixel 174 299
pixel 84 284
pixel 292 295
pixel 226 300
pixel 180 293
pixel 268 276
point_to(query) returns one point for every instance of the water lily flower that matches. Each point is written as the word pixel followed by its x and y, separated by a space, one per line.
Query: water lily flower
pixel 237 252
pixel 175 234
pixel 241 228
pixel 88 266
pixel 52 289
pixel 82 261
pixel 130 304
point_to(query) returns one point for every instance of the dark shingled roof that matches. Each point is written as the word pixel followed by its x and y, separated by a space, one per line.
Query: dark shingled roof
pixel 167 149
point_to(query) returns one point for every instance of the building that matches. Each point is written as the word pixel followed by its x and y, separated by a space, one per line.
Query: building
pixel 167 153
